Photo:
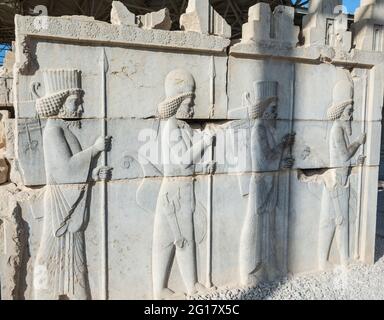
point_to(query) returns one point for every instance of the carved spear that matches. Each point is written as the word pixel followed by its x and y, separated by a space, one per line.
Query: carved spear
pixel 104 195
pixel 210 180
pixel 360 186
pixel 209 223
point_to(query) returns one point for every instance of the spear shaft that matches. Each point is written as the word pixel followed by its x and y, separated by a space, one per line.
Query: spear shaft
pixel 104 194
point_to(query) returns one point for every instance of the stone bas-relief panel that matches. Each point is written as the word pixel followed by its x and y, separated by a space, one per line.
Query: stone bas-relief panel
pixel 67 266
pixel 131 74
pixel 126 266
pixel 305 91
pixel 331 234
pixel 131 159
pixel 141 155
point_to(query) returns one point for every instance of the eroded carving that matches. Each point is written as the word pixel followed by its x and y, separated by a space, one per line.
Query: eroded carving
pixel 28 64
pixel 4 170
pixel 60 270
pixel 156 20
pixel 174 231
pixel 335 202
pixel 267 156
pixel 14 251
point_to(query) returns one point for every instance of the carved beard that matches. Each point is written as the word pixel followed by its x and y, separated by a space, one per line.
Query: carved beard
pixel 270 120
pixel 72 123
pixel 182 113
pixel 71 119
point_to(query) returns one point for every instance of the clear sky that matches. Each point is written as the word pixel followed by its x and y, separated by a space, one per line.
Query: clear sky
pixel 351 5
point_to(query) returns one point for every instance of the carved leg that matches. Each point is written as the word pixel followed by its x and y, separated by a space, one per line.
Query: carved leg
pixel 186 259
pixel 342 222
pixel 250 244
pixel 163 252
pixel 271 264
pixel 326 230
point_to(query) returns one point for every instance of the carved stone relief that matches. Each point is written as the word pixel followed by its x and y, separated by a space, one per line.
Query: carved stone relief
pixel 60 270
pixel 335 202
pixel 230 167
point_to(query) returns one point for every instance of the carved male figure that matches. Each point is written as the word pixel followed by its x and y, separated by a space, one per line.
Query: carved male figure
pixel 257 259
pixel 174 227
pixel 334 219
pixel 60 267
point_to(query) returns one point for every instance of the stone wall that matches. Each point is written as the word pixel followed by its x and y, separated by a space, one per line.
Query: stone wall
pixel 228 163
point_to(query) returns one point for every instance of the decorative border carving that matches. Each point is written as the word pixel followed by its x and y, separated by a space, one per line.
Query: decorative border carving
pixel 98 31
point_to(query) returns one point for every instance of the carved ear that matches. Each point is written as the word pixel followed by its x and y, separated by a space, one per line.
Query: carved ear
pixel 35 86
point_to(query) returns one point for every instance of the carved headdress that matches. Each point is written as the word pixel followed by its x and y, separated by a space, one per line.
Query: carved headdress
pixel 342 97
pixel 265 94
pixel 59 84
pixel 179 85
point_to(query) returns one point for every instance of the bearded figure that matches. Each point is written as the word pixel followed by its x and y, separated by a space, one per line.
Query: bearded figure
pixel 334 218
pixel 60 270
pixel 257 259
pixel 174 218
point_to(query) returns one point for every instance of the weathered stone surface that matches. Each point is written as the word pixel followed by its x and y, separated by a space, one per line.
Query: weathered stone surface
pixel 120 15
pixel 263 25
pixel 202 18
pixel 368 30
pixel 327 24
pixel 158 156
pixel 156 20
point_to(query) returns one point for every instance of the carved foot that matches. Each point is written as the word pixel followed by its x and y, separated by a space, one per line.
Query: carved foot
pixel 253 280
pixel 345 262
pixel 167 294
pixel 324 266
pixel 199 288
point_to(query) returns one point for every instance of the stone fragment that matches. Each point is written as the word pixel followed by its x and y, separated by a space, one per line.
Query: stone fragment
pixel 201 17
pixel 120 15
pixel 263 25
pixel 327 24
pixel 3 171
pixel 13 243
pixel 283 24
pixel 156 20
pixel 368 28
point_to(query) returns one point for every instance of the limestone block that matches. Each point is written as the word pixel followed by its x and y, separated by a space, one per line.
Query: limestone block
pixel 3 171
pixel 327 24
pixel 129 78
pixel 228 162
pixel 5 89
pixel 258 26
pixel 263 25
pixel 368 30
pixel 9 151
pixel 14 243
pixel 41 285
pixel 120 15
pixel 308 195
pixel 156 20
pixel 283 24
pixel 202 18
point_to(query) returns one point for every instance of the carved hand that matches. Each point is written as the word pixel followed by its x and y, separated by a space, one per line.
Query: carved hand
pixel 180 242
pixel 289 139
pixel 210 167
pixel 102 173
pixel 362 139
pixel 102 144
pixel 208 139
pixel 288 163
pixel 361 160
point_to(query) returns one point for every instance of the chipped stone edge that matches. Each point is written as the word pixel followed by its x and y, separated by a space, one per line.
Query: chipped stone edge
pixel 81 30
pixel 310 54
